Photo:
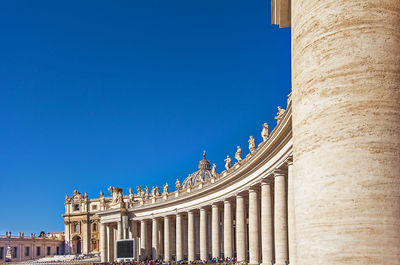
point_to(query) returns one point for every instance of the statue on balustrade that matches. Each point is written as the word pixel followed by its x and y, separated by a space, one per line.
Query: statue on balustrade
pixel 280 114
pixel 165 188
pixel 214 171
pixel 178 185
pixel 228 162
pixel 265 132
pixel 252 144
pixel 238 154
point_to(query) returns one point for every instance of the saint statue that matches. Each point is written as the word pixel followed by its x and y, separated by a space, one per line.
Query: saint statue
pixel 214 170
pixel 280 114
pixel 139 190
pixel 252 145
pixel 147 190
pixel 165 188
pixel 157 191
pixel 153 192
pixel 228 162
pixel 265 132
pixel 178 184
pixel 238 154
pixel 130 191
pixel 101 194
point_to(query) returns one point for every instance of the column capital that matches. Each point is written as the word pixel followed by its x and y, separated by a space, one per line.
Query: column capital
pixel 279 172
pixel 215 205
pixel 289 160
pixel 265 182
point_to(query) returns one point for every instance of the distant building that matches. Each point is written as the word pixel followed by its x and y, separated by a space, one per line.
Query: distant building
pixel 22 248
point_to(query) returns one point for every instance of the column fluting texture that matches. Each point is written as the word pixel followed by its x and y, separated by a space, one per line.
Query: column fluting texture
pixel 155 246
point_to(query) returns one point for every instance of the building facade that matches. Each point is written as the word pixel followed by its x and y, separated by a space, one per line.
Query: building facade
pixel 324 187
pixel 22 248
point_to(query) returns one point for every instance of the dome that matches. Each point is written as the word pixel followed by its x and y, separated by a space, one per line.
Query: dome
pixel 202 174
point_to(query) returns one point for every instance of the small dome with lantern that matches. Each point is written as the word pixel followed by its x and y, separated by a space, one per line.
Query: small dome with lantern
pixel 202 174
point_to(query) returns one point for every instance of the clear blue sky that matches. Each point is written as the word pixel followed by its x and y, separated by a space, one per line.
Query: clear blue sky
pixel 99 93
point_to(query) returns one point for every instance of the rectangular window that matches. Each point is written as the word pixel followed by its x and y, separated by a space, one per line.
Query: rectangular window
pixel 94 207
pixel 48 251
pixel 14 252
pixel 76 207
pixel 37 251
pixel 27 250
pixel 58 250
pixel 1 253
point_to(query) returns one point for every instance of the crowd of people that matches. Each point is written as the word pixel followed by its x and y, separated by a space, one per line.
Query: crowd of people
pixel 215 261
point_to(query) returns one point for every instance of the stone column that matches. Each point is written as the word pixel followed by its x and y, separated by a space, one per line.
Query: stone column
pixel 209 234
pixel 281 249
pixel 254 217
pixel 134 229
pixel 215 230
pixel 167 250
pixel 191 256
pixel 125 227
pixel 203 234
pixel 103 242
pixel 266 224
pixel 110 238
pixel 240 229
pixel 228 252
pixel 119 230
pixel 155 246
pixel 179 245
pixel 291 216
pixel 346 127
pixel 143 239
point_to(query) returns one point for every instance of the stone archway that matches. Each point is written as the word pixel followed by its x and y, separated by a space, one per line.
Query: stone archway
pixel 76 245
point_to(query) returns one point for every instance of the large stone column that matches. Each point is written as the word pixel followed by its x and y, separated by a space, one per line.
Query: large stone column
pixel 291 216
pixel 143 239
pixel 281 249
pixel 254 248
pixel 103 242
pixel 125 227
pixel 155 245
pixel 228 252
pixel 203 234
pixel 179 246
pixel 215 230
pixel 119 230
pixel 191 256
pixel 240 229
pixel 167 238
pixel 110 239
pixel 346 127
pixel 266 224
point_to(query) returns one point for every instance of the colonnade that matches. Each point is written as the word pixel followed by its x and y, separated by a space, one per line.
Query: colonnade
pixel 251 225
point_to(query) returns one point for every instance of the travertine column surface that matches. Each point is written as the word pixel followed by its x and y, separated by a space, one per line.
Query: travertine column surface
pixel 254 217
pixel 179 246
pixel 215 230
pixel 191 256
pixel 228 253
pixel 266 224
pixel 119 230
pixel 280 210
pixel 155 242
pixel 203 234
pixel 346 130
pixel 110 239
pixel 291 215
pixel 167 249
pixel 143 239
pixel 240 229
pixel 103 242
